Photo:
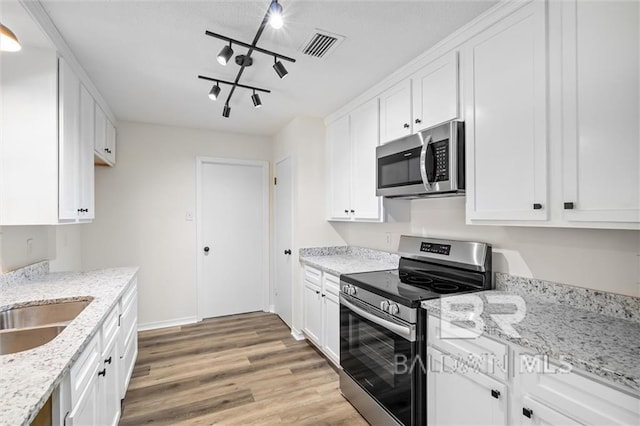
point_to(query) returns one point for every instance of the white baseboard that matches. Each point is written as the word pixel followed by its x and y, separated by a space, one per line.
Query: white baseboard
pixel 297 334
pixel 169 323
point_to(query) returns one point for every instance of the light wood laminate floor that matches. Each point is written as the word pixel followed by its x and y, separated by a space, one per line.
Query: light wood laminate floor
pixel 235 370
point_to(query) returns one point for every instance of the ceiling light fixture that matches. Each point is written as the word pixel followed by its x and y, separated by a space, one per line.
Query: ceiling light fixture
pixel 275 15
pixel 280 69
pixel 257 103
pixel 8 40
pixel 215 91
pixel 225 54
pixel 272 17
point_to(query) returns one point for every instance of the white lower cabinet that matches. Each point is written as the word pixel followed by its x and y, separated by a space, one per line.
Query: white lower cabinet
pixel 449 381
pixel 538 391
pixel 321 317
pixel 97 378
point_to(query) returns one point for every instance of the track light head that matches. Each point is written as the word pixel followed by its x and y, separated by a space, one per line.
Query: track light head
pixel 280 69
pixel 8 40
pixel 225 54
pixel 275 15
pixel 226 111
pixel 257 103
pixel 215 91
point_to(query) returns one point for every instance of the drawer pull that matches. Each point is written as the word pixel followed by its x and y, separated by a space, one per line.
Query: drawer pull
pixel 103 372
pixel 495 394
pixel 527 412
pixel 108 361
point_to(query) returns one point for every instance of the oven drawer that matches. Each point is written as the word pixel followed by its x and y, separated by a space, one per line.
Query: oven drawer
pixel 484 354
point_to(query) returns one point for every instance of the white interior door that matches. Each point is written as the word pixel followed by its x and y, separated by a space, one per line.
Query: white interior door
pixel 284 239
pixel 232 237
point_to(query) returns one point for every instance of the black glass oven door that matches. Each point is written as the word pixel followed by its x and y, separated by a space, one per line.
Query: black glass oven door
pixel 379 361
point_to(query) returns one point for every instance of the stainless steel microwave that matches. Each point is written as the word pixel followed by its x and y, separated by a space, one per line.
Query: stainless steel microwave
pixel 426 164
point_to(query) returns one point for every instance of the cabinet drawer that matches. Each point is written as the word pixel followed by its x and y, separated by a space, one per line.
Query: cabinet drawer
pixel 128 322
pixel 128 295
pixel 110 327
pixel 331 284
pixel 85 369
pixel 486 355
pixel 312 274
pixel 576 396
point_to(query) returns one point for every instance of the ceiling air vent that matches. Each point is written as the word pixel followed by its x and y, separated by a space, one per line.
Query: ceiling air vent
pixel 321 43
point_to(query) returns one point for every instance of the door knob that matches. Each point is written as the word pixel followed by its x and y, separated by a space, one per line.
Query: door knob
pixel 206 249
pixel 287 251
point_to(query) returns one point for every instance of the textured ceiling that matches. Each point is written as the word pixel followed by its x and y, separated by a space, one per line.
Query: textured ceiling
pixel 144 56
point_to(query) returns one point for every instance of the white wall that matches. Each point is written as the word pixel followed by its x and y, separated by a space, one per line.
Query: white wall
pixel 607 260
pixel 68 248
pixel 140 212
pixel 15 254
pixel 303 140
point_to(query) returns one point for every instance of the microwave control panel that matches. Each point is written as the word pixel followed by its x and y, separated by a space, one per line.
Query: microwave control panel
pixel 441 154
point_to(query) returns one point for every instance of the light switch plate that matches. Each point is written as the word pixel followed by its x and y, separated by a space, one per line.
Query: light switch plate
pixel 188 216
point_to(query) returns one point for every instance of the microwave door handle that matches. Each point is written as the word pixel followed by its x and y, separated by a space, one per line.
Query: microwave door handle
pixel 406 332
pixel 423 163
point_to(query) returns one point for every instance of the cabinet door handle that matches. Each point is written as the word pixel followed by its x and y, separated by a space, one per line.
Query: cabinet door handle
pixel 323 295
pixel 317 292
pixel 406 125
pixel 108 361
pixel 537 206
pixel 103 372
pixel 352 211
pixel 495 394
pixel 287 251
pixel 346 211
pixel 569 206
pixel 527 412
pixel 418 121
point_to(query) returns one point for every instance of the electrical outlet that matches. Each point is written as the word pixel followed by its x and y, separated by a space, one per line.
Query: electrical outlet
pixel 29 246
pixel 188 216
pixel 388 239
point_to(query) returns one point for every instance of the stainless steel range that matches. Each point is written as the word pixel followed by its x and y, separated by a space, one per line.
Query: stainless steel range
pixel 383 328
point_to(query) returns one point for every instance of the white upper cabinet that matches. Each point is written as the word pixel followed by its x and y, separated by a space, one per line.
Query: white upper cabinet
pixel 87 169
pixel 395 112
pixel 339 168
pixel 351 156
pixel 365 205
pixel 505 97
pixel 435 92
pixel 105 138
pixel 69 141
pixel 601 89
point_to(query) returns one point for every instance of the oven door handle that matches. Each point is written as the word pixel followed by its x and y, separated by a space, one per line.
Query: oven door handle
pixel 423 163
pixel 407 332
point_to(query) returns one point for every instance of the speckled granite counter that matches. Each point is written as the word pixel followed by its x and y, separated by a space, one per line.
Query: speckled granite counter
pixel 607 346
pixel 347 260
pixel 28 378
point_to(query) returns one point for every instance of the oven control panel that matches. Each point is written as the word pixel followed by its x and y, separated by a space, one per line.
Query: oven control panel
pixel 443 249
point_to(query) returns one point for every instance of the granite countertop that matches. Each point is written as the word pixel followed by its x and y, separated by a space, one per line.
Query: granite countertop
pixel 600 344
pixel 348 260
pixel 28 378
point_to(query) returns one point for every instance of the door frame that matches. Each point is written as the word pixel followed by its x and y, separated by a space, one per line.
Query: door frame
pixel 201 161
pixel 294 259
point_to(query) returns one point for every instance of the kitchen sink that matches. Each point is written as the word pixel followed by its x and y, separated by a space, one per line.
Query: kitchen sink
pixel 37 315
pixel 18 340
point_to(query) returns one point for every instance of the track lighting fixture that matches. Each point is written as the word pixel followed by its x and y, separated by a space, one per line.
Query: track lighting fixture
pixel 257 103
pixel 272 17
pixel 8 40
pixel 215 91
pixel 280 69
pixel 225 54
pixel 275 15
